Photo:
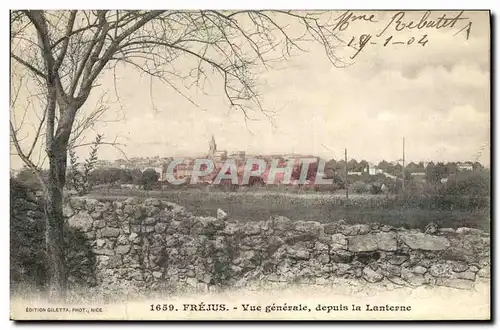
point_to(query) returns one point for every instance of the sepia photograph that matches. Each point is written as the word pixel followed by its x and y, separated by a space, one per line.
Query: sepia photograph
pixel 250 164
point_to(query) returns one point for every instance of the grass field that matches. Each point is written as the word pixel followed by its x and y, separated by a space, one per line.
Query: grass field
pixel 256 206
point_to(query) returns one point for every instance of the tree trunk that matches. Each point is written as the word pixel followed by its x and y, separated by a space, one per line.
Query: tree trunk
pixel 54 230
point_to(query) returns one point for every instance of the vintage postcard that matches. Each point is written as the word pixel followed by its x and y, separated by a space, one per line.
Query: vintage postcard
pixel 250 165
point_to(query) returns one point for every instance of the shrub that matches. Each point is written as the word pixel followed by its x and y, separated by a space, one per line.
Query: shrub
pixel 359 187
pixel 149 179
pixel 79 176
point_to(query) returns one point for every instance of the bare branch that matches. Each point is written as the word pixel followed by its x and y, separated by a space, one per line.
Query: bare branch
pixel 69 29
pixel 29 66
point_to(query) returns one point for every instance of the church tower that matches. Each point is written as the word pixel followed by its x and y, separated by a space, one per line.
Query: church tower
pixel 213 147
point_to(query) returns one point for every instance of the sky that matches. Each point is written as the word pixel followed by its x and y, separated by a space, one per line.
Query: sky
pixel 436 96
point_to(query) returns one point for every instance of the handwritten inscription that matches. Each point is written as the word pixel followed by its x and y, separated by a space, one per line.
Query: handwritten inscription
pixel 398 23
pixel 365 39
pixel 388 32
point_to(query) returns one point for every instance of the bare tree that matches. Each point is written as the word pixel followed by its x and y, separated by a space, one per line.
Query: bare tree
pixel 64 53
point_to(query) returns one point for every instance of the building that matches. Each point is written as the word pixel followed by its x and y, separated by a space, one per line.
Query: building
pixel 465 166
pixel 417 174
pixel 239 156
pixel 218 156
pixel 354 173
pixel 373 169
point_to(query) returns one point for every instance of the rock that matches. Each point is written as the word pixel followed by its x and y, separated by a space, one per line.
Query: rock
pixel 485 262
pixel 386 228
pixel 132 201
pixel 458 266
pixel 174 208
pixel 466 230
pixel 396 280
pixel 192 282
pixel 91 204
pixel 431 228
pixel 157 274
pixel 412 278
pixel 138 214
pixel 441 270
pixel 298 251
pixel 398 259
pixel 132 236
pixel 459 253
pixel 128 209
pixel 372 242
pixel 77 203
pixel 115 261
pixel 160 227
pixel 122 240
pixel 221 215
pixel 82 220
pixel 136 275
pixel 358 229
pixel 96 215
pixel 473 269
pixel 100 243
pixel 102 258
pixel 206 278
pixel 280 224
pixel 338 242
pixel 231 228
pixel 312 228
pixel 371 276
pixel 331 228
pixel 99 224
pixel 235 269
pixel 389 270
pixel 466 275
pixel 322 281
pixel 122 249
pixel 68 211
pixel 150 221
pixel 151 202
pixel 419 270
pixel 342 269
pixel 367 257
pixel 429 279
pixel 117 205
pixel 202 287
pixel 110 232
pixel 455 283
pixel 323 258
pixel 249 255
pixel 250 228
pixel 341 256
pixel 106 252
pixel 446 230
pixel 421 241
pixel 320 247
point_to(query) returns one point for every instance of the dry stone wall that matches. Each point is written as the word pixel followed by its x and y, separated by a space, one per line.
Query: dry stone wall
pixel 28 260
pixel 155 244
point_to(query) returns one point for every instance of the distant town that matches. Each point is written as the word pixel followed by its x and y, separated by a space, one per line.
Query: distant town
pixel 392 169
pixel 363 171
